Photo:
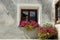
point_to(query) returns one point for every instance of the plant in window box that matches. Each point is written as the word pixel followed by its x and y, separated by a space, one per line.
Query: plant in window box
pixel 23 23
pixel 47 25
pixel 29 25
pixel 47 32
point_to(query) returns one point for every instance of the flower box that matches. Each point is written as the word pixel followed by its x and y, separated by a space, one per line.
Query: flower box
pixel 29 28
pixel 30 34
pixel 29 25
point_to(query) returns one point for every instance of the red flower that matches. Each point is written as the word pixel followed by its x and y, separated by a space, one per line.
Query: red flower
pixel 32 23
pixel 22 23
pixel 51 30
pixel 40 28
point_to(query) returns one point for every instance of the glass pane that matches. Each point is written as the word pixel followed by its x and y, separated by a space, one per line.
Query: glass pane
pixel 32 15
pixel 25 15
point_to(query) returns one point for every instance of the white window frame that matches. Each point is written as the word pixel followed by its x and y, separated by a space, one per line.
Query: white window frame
pixel 38 6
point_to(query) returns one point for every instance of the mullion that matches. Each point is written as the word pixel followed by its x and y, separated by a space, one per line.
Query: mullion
pixel 28 15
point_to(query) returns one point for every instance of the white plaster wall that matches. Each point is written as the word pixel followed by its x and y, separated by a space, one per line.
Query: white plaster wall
pixel 8 28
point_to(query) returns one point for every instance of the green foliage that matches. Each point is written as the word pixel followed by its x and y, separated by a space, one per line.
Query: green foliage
pixel 44 36
pixel 47 25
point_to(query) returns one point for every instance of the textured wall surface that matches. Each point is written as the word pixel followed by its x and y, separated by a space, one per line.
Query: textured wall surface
pixel 8 28
pixel 46 10
pixel 8 14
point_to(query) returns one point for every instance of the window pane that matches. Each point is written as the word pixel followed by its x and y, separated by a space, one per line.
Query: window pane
pixel 25 15
pixel 32 15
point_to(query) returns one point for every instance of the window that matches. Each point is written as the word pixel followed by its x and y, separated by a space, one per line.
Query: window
pixel 29 14
pixel 57 15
